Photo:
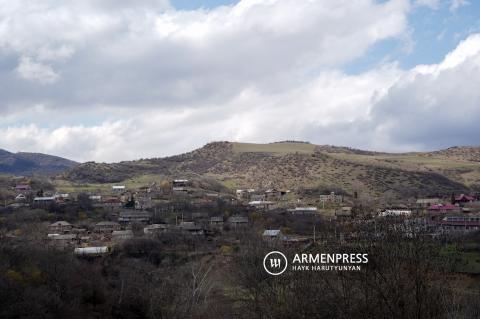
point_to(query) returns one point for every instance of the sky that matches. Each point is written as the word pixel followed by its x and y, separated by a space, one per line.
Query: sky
pixel 113 80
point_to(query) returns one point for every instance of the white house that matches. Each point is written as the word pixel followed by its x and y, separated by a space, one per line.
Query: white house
pixel 273 234
pixel 395 212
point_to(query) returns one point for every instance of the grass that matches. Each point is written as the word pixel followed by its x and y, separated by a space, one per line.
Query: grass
pixel 462 171
pixel 131 183
pixel 64 186
pixel 230 184
pixel 281 148
pixel 142 180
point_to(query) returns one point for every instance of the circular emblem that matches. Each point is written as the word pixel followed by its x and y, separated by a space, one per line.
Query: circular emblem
pixel 275 263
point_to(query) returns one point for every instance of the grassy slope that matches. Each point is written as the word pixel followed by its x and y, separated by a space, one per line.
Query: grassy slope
pixel 460 170
pixel 292 165
pixel 280 148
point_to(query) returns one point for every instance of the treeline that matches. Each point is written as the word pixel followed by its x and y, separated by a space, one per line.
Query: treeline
pixel 166 277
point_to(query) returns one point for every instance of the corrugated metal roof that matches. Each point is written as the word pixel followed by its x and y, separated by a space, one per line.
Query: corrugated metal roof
pixel 271 232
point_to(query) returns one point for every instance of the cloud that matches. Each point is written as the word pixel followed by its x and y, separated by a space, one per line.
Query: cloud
pixel 457 4
pixel 34 71
pixel 433 106
pixel 387 108
pixel 330 99
pixel 117 54
pixel 125 82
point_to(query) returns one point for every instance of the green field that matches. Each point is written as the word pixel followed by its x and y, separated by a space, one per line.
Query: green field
pixel 281 148
pixel 131 183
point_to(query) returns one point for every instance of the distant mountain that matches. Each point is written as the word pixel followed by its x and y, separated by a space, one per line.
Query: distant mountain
pixel 33 163
pixel 300 165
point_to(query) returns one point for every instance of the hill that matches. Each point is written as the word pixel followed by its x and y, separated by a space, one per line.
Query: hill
pixel 296 165
pixel 32 163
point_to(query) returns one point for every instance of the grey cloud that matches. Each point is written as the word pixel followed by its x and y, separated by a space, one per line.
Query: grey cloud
pixel 99 55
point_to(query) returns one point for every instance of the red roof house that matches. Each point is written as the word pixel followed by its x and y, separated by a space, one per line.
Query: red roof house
pixel 462 198
pixel 443 208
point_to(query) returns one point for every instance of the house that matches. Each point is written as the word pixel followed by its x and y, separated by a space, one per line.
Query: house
pixel 216 221
pixel 118 188
pixel 238 221
pixel 395 212
pixel 180 185
pixel 62 241
pixel 155 229
pixel 274 194
pixel 112 202
pixel 459 223
pixel 95 198
pixel 273 234
pixel 443 208
pixel 244 194
pixel 191 228
pixel 241 194
pixel 427 202
pixel 20 198
pixel 144 202
pixel 331 198
pixel 303 210
pixel 132 216
pixel 60 227
pixel 91 251
pixel 119 236
pixel 261 204
pixel 44 200
pixel 462 199
pixel 61 197
pixel 106 227
pixel 23 188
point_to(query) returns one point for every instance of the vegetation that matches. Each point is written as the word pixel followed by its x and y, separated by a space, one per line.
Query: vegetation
pixel 293 165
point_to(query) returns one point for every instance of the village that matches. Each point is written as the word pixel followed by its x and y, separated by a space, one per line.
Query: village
pixel 94 224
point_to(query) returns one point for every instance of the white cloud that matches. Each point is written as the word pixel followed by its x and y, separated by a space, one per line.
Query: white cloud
pixel 126 82
pixel 455 4
pixel 34 71
pixel 433 106
pixel 427 107
pixel 151 55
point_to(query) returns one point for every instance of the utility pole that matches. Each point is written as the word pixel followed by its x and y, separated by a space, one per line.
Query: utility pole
pixel 314 234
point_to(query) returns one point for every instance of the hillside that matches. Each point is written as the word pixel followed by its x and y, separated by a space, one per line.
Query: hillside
pixel 464 153
pixel 296 165
pixel 32 163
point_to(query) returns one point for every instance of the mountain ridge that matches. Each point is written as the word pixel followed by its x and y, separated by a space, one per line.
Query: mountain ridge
pixel 25 163
pixel 304 165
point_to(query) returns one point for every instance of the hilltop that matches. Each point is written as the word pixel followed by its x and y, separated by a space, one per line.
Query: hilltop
pixel 297 165
pixel 32 163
